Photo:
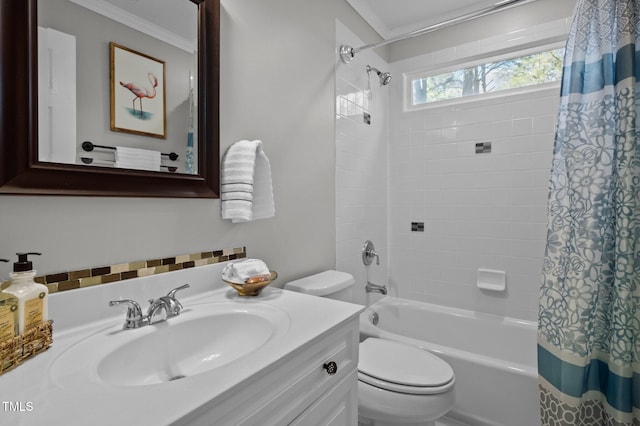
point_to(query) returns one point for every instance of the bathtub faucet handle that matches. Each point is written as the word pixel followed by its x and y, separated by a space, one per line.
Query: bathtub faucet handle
pixel 368 253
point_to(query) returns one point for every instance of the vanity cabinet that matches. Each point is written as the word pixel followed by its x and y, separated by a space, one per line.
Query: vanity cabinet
pixel 297 389
pixel 282 379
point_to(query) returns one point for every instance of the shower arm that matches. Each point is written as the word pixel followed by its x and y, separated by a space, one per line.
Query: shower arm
pixel 347 53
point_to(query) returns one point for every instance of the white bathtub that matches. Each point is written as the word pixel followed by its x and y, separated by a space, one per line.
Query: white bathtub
pixel 493 358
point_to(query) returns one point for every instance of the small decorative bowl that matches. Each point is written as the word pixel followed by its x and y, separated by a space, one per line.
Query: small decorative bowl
pixel 253 289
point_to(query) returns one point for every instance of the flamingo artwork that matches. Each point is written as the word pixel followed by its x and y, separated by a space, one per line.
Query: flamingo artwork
pixel 141 91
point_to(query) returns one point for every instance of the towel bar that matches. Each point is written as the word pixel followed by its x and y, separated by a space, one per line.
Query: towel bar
pixel 89 146
pixel 89 160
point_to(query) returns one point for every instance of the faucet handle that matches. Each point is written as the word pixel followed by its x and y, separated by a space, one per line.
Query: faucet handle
pixel 368 253
pixel 173 305
pixel 134 316
pixel 172 293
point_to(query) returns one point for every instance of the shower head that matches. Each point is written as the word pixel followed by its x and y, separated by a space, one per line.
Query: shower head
pixel 385 77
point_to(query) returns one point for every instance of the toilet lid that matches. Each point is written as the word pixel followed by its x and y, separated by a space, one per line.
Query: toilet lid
pixel 402 364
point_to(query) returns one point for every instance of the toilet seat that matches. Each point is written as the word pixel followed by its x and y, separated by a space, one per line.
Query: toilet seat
pixel 403 368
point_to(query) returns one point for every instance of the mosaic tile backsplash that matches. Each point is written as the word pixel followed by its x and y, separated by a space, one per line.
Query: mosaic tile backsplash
pixel 64 281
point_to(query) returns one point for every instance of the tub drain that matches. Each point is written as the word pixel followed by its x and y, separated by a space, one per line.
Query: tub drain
pixel 178 377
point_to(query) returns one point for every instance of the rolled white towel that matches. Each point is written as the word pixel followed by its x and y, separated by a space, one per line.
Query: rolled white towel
pixel 240 272
pixel 246 192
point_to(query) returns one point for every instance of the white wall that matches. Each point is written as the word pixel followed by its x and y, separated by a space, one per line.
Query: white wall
pixel 480 210
pixel 361 164
pixel 277 84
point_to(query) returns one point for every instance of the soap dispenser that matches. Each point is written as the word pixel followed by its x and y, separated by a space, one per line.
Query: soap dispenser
pixel 32 297
pixel 8 315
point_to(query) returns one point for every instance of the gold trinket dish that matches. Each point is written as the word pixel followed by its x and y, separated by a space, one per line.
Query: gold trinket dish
pixel 254 285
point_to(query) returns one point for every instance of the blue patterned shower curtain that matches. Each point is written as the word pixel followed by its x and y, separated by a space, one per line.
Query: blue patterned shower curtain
pixel 589 318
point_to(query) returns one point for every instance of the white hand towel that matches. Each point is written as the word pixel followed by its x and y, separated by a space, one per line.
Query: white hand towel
pixel 247 190
pixel 135 158
pixel 240 272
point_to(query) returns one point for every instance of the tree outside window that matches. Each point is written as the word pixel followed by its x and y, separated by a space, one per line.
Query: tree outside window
pixel 538 68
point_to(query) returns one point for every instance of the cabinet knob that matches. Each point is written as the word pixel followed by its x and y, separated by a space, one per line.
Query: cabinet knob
pixel 331 367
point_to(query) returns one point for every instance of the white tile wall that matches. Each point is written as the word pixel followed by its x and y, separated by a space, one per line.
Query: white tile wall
pixel 480 210
pixel 361 165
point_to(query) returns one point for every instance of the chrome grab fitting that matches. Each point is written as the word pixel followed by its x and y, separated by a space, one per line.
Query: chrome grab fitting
pixel 368 253
pixel 375 288
pixel 160 309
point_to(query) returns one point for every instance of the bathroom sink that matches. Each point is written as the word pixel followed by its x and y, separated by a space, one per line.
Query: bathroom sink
pixel 201 339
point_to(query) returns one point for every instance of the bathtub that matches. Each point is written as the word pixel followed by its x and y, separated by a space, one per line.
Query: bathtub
pixel 493 357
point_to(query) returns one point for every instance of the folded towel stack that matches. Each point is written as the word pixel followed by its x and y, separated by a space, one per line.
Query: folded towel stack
pixel 247 191
pixel 135 158
pixel 239 272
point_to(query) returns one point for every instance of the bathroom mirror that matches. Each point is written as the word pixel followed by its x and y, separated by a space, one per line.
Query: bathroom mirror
pixel 21 169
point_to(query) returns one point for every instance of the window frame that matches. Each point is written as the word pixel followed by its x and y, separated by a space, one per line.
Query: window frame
pixel 408 77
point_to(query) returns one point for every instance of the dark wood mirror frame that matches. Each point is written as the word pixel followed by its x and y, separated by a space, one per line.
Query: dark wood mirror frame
pixel 20 170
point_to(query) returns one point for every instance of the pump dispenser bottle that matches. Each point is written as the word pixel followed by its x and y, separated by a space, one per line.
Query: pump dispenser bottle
pixel 8 315
pixel 32 297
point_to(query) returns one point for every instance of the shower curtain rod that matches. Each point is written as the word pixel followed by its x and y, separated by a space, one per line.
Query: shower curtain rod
pixel 347 53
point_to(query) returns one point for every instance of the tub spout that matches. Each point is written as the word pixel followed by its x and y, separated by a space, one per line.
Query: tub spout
pixel 375 288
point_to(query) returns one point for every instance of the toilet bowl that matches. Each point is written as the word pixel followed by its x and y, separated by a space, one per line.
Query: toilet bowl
pixel 402 384
pixel 398 384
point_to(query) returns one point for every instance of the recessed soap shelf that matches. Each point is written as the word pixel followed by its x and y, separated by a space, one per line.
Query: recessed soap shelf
pixel 491 280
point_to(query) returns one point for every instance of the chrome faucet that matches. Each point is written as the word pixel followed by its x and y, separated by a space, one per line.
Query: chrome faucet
pixel 160 309
pixel 134 318
pixel 375 288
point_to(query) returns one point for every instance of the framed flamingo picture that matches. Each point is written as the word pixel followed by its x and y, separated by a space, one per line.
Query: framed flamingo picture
pixel 138 101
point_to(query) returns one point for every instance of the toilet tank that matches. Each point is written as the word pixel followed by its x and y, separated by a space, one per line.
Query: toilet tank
pixel 330 284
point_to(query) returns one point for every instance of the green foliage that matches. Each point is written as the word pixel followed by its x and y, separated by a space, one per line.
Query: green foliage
pixel 512 73
pixel 540 68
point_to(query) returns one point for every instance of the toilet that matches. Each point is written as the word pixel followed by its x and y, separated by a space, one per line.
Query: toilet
pixel 398 384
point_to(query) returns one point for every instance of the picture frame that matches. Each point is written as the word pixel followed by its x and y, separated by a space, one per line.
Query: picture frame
pixel 138 92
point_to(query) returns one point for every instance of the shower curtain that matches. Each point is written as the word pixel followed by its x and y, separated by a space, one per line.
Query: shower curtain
pixel 589 317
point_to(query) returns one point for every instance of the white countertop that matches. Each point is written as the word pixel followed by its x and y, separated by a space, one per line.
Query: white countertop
pixel 44 400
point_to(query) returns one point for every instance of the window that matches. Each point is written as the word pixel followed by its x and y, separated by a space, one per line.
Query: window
pixel 511 73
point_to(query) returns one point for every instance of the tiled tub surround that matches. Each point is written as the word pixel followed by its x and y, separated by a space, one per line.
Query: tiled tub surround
pixel 361 164
pixel 218 396
pixel 64 281
pixel 481 208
